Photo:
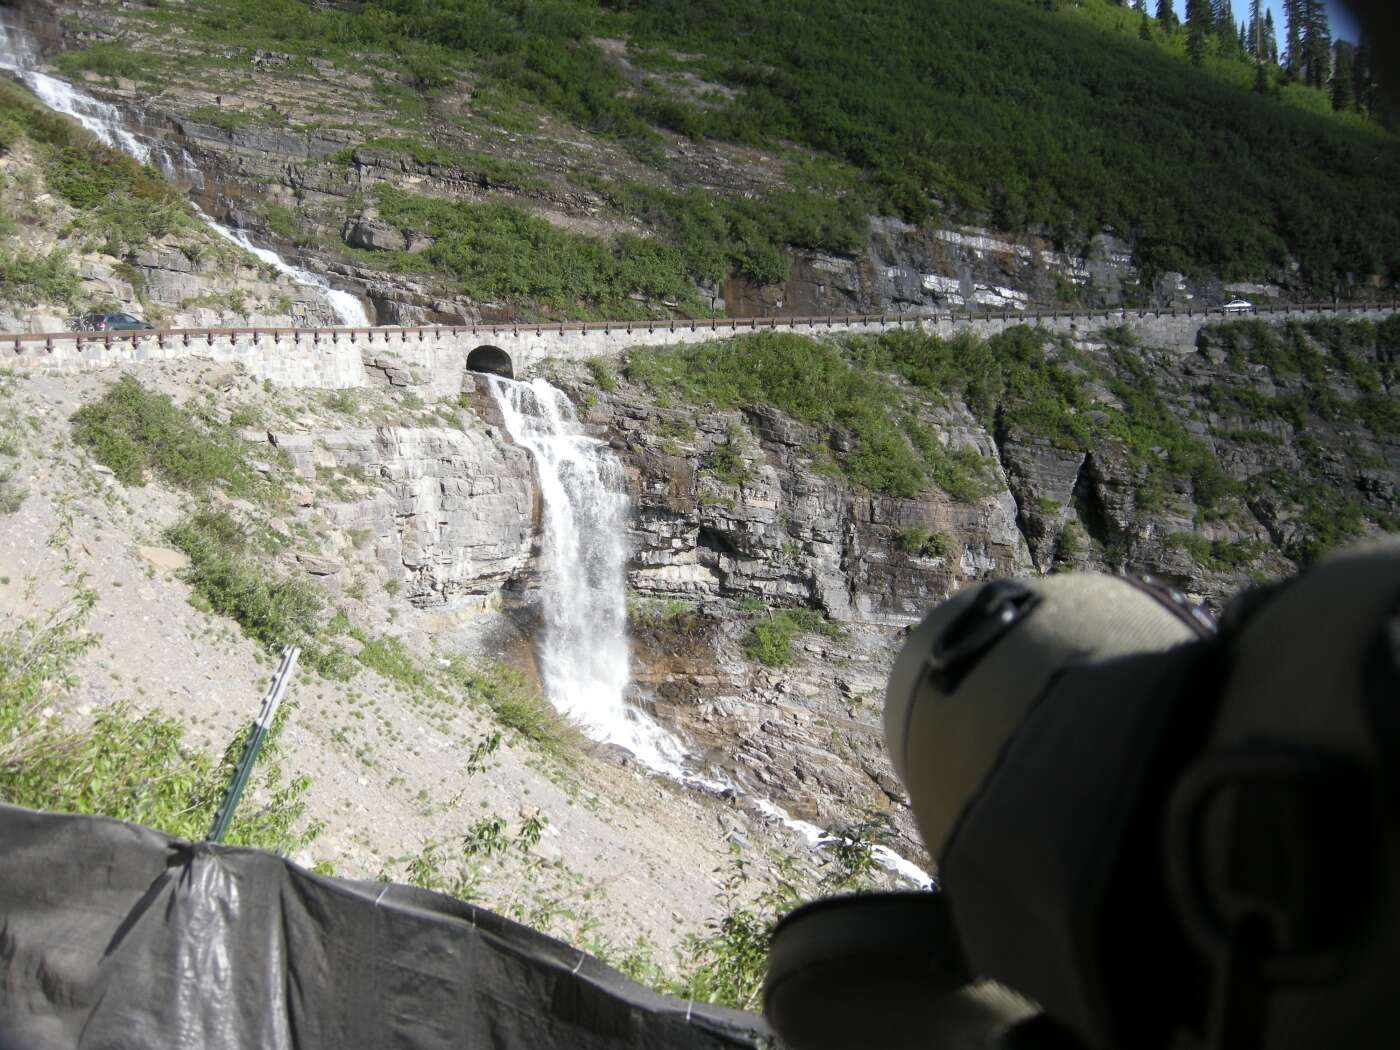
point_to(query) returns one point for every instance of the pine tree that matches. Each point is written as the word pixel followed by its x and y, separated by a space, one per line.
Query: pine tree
pixel 1199 23
pixel 1145 29
pixel 1363 85
pixel 1270 38
pixel 1254 42
pixel 1225 27
pixel 1293 56
pixel 1140 6
pixel 1343 72
pixel 1317 42
pixel 1166 16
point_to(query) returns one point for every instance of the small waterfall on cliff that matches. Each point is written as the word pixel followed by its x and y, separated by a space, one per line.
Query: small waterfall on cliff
pixel 104 121
pixel 584 654
pixel 349 309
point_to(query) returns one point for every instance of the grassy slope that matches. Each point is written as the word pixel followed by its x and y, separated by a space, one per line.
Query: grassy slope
pixel 992 109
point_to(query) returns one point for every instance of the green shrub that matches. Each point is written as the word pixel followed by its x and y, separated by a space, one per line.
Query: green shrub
pixel 108 60
pixel 226 572
pixel 132 429
pixel 514 704
pixel 222 117
pixel 726 463
pixel 770 639
pixel 487 169
pixel 123 765
pixel 727 964
pixel 27 279
pixel 499 253
pixel 389 658
pixel 925 543
pixel 603 375
pixel 810 380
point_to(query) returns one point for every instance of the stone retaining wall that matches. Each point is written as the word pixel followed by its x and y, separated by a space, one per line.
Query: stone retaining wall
pixel 435 358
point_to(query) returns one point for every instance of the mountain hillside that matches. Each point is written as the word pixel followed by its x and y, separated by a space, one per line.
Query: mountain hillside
pixel 574 158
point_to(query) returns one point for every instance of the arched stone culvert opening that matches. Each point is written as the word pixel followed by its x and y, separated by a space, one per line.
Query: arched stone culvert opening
pixel 490 359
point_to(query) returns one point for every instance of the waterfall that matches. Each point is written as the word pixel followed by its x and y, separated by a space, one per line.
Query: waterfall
pixel 349 309
pixel 104 121
pixel 583 654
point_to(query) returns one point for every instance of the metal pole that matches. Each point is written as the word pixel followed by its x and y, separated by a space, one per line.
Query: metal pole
pixel 223 817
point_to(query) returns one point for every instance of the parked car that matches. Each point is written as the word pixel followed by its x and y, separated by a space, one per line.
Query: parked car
pixel 1237 306
pixel 109 323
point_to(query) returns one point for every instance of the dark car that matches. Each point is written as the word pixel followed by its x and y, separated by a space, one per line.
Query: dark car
pixel 109 323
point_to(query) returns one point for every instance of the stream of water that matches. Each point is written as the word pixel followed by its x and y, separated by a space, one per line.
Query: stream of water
pixel 104 121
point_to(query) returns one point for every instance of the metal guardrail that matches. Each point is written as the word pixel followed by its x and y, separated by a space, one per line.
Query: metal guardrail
pixel 165 335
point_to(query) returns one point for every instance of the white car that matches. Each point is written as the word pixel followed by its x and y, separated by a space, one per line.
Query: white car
pixel 1237 306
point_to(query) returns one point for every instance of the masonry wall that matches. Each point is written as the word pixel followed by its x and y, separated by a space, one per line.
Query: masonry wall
pixel 434 358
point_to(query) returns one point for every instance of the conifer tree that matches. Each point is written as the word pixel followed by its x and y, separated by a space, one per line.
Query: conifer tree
pixel 1254 42
pixel 1145 28
pixel 1270 38
pixel 1293 56
pixel 1166 16
pixel 1199 24
pixel 1225 28
pixel 1343 73
pixel 1363 85
pixel 1317 42
pixel 1141 7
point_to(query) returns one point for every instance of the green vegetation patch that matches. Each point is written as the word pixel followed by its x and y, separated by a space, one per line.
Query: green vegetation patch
pixel 124 765
pixel 996 110
pixel 770 639
pixel 927 543
pixel 716 235
pixel 108 59
pixel 131 430
pixel 123 206
pixel 228 571
pixel 502 254
pixel 514 703
pixel 29 279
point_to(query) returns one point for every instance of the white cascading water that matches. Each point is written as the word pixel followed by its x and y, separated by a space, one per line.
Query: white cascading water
pixel 584 656
pixel 105 123
pixel 349 309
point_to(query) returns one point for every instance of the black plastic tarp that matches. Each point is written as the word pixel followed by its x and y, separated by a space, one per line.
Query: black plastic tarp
pixel 113 935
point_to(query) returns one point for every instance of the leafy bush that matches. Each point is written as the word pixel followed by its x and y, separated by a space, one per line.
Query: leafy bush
pixel 503 254
pixel 603 375
pixel 28 279
pixel 811 381
pixel 483 167
pixel 105 59
pixel 514 704
pixel 726 464
pixel 132 429
pixel 123 205
pixel 389 658
pixel 727 965
pixel 925 543
pixel 770 639
pixel 225 572
pixel 131 767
